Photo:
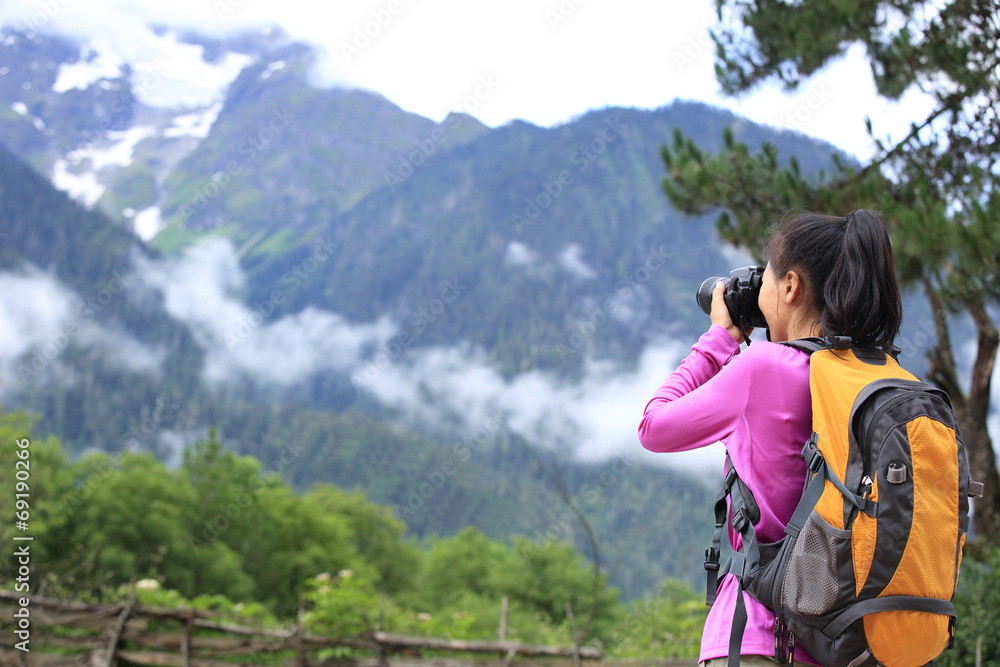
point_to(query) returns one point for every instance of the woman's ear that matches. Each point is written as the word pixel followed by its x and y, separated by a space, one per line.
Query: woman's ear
pixel 792 289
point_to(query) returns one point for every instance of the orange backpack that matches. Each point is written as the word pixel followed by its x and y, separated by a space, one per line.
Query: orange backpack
pixel 868 566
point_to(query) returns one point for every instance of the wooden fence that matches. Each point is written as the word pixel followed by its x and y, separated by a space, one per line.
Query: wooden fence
pixel 102 635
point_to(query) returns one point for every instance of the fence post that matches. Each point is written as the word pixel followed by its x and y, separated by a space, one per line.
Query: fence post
pixel 572 632
pixel 300 658
pixel 383 661
pixel 186 643
pixel 119 625
pixel 509 657
pixel 503 619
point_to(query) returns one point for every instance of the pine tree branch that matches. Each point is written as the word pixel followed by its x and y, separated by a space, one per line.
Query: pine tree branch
pixel 949 105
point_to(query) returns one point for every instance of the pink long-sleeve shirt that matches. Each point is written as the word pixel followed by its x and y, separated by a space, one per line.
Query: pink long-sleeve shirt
pixel 756 402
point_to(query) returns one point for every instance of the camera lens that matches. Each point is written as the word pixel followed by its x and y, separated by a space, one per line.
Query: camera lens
pixel 705 293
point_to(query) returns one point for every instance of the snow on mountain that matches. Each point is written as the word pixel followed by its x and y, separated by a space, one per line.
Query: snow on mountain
pixel 21 109
pixel 167 72
pixel 160 94
pixel 146 223
pixel 96 62
pixel 196 124
pixel 81 186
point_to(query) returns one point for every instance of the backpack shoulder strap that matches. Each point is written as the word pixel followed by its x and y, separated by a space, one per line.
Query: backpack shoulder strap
pixel 814 344
pixel 745 562
pixel 746 513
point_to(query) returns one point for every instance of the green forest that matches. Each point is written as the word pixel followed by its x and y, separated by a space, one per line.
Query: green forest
pixel 222 534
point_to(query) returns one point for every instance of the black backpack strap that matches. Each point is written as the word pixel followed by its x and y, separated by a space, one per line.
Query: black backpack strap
pixel 745 511
pixel 742 564
pixel 713 554
pixel 817 464
pixel 738 628
pixel 808 345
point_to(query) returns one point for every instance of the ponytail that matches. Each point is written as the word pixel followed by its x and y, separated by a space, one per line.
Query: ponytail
pixel 848 270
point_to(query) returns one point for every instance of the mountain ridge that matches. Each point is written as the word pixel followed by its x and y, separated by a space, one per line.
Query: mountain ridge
pixel 371 285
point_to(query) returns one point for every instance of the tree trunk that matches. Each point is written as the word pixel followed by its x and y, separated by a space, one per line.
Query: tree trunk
pixel 972 421
pixel 982 467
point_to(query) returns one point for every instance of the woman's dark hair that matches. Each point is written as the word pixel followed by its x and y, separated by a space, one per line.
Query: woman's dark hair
pixel 848 270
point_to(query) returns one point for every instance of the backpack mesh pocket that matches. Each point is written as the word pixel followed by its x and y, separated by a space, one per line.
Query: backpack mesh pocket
pixel 811 585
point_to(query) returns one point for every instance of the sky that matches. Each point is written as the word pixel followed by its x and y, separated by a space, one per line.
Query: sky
pixel 543 61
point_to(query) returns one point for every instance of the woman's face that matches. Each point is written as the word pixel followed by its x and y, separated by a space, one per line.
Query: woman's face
pixel 782 300
pixel 771 305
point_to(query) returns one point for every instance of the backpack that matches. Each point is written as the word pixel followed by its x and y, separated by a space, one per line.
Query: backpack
pixel 866 571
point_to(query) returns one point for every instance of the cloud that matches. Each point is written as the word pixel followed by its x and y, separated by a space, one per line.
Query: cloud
pixel 593 419
pixel 42 318
pixel 200 289
pixel 166 72
pixel 34 307
pixel 553 75
pixel 123 348
pixel 171 444
pixel 571 259
pixel 519 254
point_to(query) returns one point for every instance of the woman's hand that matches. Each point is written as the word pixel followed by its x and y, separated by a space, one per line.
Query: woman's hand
pixel 720 313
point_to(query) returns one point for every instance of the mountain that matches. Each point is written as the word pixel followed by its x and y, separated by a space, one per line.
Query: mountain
pixel 436 313
pixel 282 148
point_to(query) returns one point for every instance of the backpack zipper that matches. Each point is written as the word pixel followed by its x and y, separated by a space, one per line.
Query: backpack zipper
pixel 869 473
pixel 876 418
pixel 784 652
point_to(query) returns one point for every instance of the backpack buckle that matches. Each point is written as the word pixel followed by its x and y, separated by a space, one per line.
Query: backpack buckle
pixel 712 556
pixel 811 454
pixel 740 520
pixel 731 476
pixel 839 342
pixel 815 461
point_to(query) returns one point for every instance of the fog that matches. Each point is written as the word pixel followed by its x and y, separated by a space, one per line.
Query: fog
pixel 42 318
pixel 201 289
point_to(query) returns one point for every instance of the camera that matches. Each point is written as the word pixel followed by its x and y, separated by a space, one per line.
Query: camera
pixel 742 289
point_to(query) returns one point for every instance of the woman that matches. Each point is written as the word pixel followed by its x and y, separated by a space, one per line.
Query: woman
pixel 826 276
